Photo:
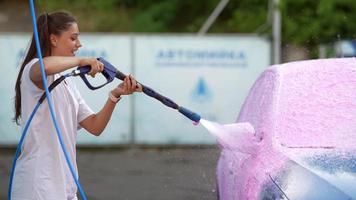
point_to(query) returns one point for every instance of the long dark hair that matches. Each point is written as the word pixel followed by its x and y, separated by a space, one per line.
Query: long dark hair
pixel 54 23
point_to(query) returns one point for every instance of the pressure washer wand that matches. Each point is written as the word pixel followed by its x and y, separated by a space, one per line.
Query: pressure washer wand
pixel 110 72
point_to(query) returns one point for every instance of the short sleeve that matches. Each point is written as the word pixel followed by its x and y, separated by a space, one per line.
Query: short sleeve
pixel 84 110
pixel 27 84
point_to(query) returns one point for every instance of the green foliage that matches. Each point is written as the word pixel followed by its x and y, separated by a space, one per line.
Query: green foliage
pixel 156 17
pixel 246 18
pixel 161 16
pixel 304 22
pixel 310 23
pixel 93 15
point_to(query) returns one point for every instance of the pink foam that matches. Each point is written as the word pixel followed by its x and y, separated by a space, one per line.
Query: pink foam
pixel 316 104
pixel 299 105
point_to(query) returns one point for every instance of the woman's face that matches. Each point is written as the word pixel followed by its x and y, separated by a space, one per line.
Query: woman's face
pixel 67 43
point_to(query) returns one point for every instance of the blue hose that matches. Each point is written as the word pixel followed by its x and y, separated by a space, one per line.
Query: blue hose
pixel 59 134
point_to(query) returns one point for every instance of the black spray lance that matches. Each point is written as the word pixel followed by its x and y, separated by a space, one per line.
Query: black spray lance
pixel 110 72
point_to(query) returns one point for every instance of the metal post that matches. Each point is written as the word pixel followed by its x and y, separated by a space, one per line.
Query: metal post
pixel 276 26
pixel 133 102
pixel 322 51
pixel 212 17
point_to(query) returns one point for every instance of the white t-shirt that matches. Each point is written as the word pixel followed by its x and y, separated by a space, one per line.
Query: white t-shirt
pixel 41 171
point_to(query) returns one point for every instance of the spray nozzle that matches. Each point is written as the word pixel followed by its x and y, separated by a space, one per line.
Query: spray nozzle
pixel 190 114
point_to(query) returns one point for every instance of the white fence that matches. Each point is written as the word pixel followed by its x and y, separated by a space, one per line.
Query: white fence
pixel 210 75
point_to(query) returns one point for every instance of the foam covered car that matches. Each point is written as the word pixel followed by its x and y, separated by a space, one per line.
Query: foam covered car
pixel 295 136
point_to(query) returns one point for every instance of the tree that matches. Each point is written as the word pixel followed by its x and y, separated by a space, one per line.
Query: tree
pixel 304 22
pixel 310 23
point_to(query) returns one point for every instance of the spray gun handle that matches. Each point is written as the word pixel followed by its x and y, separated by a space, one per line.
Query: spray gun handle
pixel 109 73
pixel 84 69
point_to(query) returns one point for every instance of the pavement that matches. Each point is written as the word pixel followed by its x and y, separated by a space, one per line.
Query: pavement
pixel 183 173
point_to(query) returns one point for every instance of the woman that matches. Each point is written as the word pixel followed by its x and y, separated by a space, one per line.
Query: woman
pixel 42 171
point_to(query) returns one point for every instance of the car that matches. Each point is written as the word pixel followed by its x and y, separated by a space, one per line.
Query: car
pixel 295 135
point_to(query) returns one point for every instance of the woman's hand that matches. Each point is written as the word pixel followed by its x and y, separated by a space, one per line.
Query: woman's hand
pixel 96 65
pixel 127 87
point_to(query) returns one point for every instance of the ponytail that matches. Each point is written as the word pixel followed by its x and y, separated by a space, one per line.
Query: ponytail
pixel 47 24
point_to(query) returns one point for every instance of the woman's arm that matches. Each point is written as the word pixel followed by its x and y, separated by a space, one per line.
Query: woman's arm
pixel 95 124
pixel 56 64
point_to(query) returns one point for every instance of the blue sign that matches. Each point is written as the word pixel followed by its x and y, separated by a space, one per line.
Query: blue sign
pixel 201 58
pixel 201 92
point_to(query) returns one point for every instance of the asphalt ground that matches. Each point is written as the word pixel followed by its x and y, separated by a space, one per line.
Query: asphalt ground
pixel 139 173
